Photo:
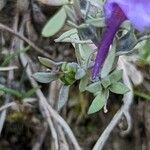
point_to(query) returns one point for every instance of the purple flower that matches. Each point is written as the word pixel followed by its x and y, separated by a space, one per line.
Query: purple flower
pixel 116 12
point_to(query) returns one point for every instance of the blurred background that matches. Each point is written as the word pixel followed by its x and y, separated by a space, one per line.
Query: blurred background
pixel 23 124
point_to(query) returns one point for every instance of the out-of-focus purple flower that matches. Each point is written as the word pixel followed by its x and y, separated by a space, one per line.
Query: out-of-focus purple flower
pixel 116 12
pixel 137 11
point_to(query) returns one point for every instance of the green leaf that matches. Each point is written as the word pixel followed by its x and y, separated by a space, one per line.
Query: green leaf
pixel 63 96
pixel 119 88
pixel 68 73
pixel 126 43
pixel 47 62
pixel 106 82
pixel 68 78
pixel 98 22
pixel 144 96
pixel 69 67
pixel 10 57
pixel 87 32
pixel 66 34
pixel 83 83
pixel 55 23
pixel 144 53
pixel 94 87
pixel 10 91
pixel 108 64
pixel 115 76
pixel 97 103
pixel 55 2
pixel 45 77
pixel 80 73
pixel 30 92
pixel 84 54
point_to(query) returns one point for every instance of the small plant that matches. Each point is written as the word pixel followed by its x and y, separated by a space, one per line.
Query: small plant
pixel 105 78
pixel 68 73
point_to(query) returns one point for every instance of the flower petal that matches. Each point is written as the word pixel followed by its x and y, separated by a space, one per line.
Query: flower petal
pixel 137 11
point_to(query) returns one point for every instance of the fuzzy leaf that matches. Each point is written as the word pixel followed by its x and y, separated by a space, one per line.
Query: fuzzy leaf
pixel 126 43
pixel 115 76
pixel 45 77
pixel 109 62
pixel 84 52
pixel 97 103
pixel 98 22
pixel 30 92
pixel 119 88
pixel 106 82
pixel 10 91
pixel 83 83
pixel 66 34
pixel 54 2
pixel 80 73
pixel 47 62
pixel 94 87
pixel 55 23
pixel 63 96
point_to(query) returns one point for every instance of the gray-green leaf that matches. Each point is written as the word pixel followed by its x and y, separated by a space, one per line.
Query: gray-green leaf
pixel 47 62
pixel 106 82
pixel 45 77
pixel 55 23
pixel 97 103
pixel 115 76
pixel 126 43
pixel 80 73
pixel 119 88
pixel 109 62
pixel 55 2
pixel 94 87
pixel 63 96
pixel 83 83
pixel 98 22
pixel 66 34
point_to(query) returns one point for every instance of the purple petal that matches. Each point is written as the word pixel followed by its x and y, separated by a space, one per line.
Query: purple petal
pixel 112 26
pixel 137 11
pixel 103 50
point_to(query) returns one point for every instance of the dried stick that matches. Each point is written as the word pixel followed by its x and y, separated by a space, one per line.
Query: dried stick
pixel 46 106
pixel 62 139
pixel 45 111
pixel 7 106
pixel 6 28
pixel 40 139
pixel 10 76
pixel 24 60
pixel 3 114
pixel 123 111
pixel 8 68
pixel 48 110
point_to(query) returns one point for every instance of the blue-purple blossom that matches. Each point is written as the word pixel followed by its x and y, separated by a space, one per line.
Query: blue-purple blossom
pixel 116 12
pixel 137 11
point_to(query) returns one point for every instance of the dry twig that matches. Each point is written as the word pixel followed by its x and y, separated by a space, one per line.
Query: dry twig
pixel 46 106
pixel 10 76
pixel 7 106
pixel 40 139
pixel 4 27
